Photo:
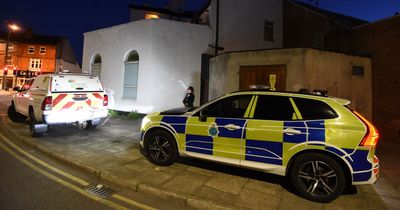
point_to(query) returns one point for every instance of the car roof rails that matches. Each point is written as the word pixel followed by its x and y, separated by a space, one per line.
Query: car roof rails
pixel 259 87
pixel 317 92
pixel 67 72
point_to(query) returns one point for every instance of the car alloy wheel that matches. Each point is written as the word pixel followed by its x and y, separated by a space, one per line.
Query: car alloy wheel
pixel 161 148
pixel 317 177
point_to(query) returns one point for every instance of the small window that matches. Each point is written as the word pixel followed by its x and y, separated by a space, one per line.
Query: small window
pixel 96 66
pixel 151 16
pixel 133 57
pixel 231 107
pixel 314 109
pixel 31 49
pixel 268 31
pixel 10 48
pixel 358 71
pixel 97 59
pixel 42 50
pixel 274 108
pixel 35 64
pixel 131 76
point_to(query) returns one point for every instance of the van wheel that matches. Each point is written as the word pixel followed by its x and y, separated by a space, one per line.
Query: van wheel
pixel 32 122
pixel 89 125
pixel 14 115
pixel 161 148
pixel 317 177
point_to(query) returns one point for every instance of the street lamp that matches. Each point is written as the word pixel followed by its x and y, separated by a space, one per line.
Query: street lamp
pixel 11 27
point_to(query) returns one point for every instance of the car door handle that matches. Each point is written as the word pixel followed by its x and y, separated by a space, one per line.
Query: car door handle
pixel 291 131
pixel 232 127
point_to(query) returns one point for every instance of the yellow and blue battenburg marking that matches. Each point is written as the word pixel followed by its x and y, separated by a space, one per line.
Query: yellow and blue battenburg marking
pixel 264 151
pixel 261 149
pixel 177 122
pixel 298 138
pixel 359 162
pixel 225 132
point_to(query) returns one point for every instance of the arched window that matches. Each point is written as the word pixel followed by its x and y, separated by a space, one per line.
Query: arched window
pixel 131 75
pixel 96 65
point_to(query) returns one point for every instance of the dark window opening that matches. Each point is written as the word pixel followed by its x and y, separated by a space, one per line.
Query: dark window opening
pixel 314 109
pixel 273 108
pixel 231 107
pixel 268 31
pixel 133 57
pixel 97 59
pixel 358 71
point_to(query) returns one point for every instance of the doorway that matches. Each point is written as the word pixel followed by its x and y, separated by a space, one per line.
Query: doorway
pixel 266 75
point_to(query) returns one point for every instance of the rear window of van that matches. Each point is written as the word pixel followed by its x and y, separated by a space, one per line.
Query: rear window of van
pixel 75 83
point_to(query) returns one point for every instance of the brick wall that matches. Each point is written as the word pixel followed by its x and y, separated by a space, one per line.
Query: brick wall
pixel 304 27
pixel 381 40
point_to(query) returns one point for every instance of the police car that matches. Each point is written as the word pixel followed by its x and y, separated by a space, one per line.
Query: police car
pixel 318 142
pixel 51 99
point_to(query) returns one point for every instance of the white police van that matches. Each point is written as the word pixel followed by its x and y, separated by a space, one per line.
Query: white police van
pixel 59 99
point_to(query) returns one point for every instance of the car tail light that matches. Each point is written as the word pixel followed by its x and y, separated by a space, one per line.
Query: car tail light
pixel 47 103
pixel 372 135
pixel 105 100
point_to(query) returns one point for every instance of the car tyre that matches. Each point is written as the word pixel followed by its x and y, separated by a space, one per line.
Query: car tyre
pixel 161 148
pixel 14 115
pixel 317 177
pixel 89 125
pixel 32 122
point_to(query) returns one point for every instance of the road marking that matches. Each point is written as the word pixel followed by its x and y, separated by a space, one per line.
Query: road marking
pixel 69 176
pixel 61 181
pixel 46 165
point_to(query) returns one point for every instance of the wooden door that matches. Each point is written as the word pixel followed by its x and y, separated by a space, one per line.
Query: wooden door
pixel 263 75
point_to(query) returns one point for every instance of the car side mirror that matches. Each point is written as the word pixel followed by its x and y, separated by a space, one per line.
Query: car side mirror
pixel 202 117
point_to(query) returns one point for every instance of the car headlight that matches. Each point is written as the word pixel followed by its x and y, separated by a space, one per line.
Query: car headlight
pixel 145 121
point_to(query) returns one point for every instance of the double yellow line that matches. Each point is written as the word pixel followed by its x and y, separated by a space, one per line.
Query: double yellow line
pixel 66 175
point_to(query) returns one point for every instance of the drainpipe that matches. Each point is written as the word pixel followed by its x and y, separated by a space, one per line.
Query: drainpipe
pixel 216 30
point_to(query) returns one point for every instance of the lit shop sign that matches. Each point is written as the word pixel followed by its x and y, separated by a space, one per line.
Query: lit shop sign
pixel 27 73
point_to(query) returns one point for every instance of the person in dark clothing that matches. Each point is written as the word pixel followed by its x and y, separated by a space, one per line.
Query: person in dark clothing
pixel 189 98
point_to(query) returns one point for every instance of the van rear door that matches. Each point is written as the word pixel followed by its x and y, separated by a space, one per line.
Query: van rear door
pixel 76 93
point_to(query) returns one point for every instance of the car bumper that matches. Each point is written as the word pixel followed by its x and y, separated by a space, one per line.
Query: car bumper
pixel 372 174
pixel 65 117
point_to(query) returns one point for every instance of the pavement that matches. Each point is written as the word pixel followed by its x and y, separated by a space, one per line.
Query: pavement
pixel 111 152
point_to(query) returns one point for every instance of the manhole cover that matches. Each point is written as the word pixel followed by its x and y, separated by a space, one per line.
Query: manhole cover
pixel 100 190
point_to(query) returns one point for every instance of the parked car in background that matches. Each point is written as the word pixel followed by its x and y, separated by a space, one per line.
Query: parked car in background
pixel 318 142
pixel 59 99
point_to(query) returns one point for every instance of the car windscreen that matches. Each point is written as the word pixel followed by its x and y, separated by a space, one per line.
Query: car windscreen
pixel 75 83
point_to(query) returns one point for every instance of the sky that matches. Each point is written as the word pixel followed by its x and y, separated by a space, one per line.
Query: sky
pixel 72 18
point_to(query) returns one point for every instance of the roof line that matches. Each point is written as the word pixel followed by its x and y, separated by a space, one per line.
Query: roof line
pixel 381 20
pixel 322 15
pixel 291 48
pixel 204 8
pixel 187 14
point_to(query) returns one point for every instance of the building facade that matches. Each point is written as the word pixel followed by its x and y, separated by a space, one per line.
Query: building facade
pixel 311 27
pixel 29 55
pixel 381 41
pixel 147 65
pixel 293 70
pixel 172 47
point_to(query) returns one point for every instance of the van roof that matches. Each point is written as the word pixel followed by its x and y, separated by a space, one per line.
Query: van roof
pixel 75 83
